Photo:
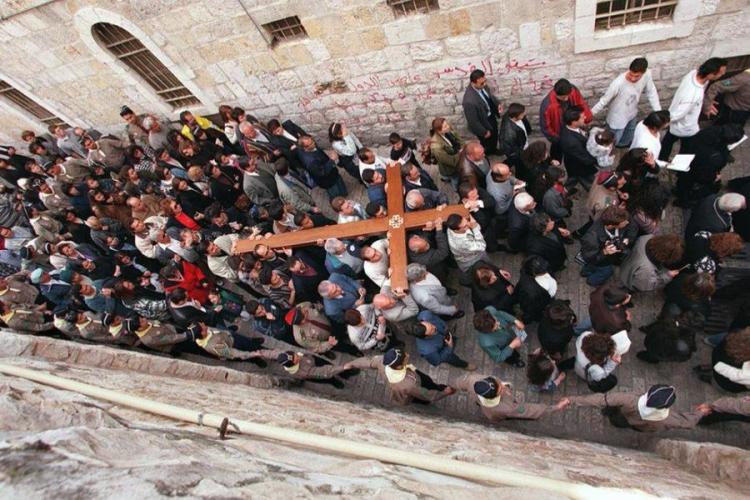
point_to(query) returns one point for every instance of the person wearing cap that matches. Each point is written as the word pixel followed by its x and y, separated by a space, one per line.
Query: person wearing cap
pixel 405 382
pixel 714 214
pixel 269 319
pixel 311 328
pixel 497 401
pixel 307 367
pixel 17 291
pixel 91 326
pixel 155 334
pixel 649 412
pixel 224 344
pixel 24 319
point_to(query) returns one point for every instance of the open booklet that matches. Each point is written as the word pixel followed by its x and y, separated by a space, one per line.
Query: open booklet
pixel 680 163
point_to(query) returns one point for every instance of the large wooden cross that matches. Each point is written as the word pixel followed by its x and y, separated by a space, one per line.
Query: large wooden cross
pixel 394 225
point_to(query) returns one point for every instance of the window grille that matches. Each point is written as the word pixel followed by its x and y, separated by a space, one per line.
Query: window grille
pixel 618 13
pixel 289 28
pixel 406 7
pixel 24 102
pixel 138 58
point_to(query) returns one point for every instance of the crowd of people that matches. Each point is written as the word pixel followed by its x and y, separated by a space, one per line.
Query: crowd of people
pixel 131 240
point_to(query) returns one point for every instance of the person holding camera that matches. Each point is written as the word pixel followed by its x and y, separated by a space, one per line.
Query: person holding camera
pixel 606 244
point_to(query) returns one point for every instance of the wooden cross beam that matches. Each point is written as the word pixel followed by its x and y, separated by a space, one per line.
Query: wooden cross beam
pixel 394 225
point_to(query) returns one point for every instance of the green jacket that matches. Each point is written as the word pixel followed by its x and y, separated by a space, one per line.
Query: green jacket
pixel 496 344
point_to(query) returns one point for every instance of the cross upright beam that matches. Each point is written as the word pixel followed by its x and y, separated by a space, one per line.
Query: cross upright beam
pixel 394 225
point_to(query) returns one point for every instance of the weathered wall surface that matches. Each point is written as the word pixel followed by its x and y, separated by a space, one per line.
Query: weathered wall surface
pixel 360 64
pixel 54 442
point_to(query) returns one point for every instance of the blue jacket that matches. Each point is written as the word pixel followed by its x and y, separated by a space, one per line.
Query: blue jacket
pixel 275 328
pixel 433 348
pixel 335 308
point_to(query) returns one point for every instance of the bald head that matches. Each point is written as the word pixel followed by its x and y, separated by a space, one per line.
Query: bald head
pixel 417 244
pixel 414 199
pixel 383 301
pixel 500 172
pixel 474 150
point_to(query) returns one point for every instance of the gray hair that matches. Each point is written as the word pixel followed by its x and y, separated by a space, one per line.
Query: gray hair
pixel 412 196
pixel 415 272
pixel 324 288
pixel 149 122
pixel 331 245
pixel 731 202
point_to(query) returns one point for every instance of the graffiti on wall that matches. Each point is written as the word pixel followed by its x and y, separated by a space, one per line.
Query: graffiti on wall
pixel 379 89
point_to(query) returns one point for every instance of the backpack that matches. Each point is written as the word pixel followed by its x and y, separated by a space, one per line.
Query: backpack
pixel 604 385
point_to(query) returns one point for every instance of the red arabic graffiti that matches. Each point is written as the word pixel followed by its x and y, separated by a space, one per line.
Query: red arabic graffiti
pixel 388 90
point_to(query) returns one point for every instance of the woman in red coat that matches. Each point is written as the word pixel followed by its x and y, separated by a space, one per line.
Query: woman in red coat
pixel 187 276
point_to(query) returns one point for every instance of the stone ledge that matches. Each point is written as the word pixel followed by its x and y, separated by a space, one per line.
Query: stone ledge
pixel 117 358
pixel 726 463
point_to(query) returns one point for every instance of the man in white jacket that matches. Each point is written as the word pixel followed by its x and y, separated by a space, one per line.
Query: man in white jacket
pixel 466 241
pixel 687 103
pixel 622 98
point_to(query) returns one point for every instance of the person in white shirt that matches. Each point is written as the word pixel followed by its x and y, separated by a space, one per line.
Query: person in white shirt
pixel 347 145
pixel 368 159
pixel 376 262
pixel 347 210
pixel 687 103
pixel 647 132
pixel 466 241
pixel 622 98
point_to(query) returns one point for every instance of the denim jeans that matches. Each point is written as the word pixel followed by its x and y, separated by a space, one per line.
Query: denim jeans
pixel 624 136
pixel 597 275
pixel 582 326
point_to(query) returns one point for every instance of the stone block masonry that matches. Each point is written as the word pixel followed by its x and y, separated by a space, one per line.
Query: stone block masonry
pixel 390 73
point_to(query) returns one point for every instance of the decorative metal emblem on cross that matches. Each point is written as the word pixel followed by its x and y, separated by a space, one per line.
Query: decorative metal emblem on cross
pixel 395 224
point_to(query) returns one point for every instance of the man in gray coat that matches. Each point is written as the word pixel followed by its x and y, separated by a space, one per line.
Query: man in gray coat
pixel 429 293
pixel 396 305
pixel 293 191
pixel 259 182
pixel 653 262
pixel 482 110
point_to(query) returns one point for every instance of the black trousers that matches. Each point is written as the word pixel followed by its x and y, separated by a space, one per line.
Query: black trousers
pixel 723 417
pixel 668 142
pixel 490 143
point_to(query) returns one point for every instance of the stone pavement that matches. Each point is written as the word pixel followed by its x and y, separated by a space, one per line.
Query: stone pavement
pixel 573 423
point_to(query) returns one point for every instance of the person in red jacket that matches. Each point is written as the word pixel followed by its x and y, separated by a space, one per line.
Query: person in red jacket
pixel 563 95
pixel 187 276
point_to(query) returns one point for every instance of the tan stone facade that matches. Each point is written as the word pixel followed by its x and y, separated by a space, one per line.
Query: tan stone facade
pixel 360 63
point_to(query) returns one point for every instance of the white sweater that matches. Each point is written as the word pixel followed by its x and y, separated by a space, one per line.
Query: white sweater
pixel 643 138
pixel 686 106
pixel 467 248
pixel 737 375
pixel 622 98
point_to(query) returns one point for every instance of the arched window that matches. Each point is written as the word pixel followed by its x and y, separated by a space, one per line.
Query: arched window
pixel 131 52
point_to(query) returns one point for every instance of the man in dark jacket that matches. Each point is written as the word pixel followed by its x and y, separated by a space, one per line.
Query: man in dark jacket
pixel 545 240
pixel 481 206
pixel 322 168
pixel 607 242
pixel 307 273
pixel 519 221
pixel 430 248
pixel 608 309
pixel 514 138
pixel 482 110
pixel 579 163
pixel 714 214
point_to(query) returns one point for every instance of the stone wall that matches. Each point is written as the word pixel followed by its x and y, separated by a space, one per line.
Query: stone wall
pixel 360 64
pixel 54 442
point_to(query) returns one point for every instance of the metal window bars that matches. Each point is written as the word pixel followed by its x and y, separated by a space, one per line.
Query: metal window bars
pixel 131 52
pixel 618 13
pixel 289 28
pixel 24 102
pixel 406 7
